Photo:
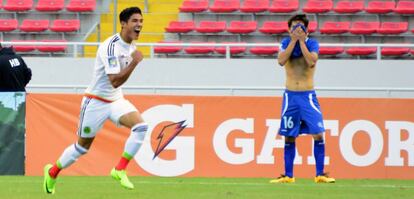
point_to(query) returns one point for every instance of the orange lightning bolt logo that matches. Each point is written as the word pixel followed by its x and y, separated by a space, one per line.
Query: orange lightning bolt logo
pixel 176 129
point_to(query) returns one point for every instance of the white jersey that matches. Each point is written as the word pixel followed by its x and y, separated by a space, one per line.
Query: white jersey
pixel 113 55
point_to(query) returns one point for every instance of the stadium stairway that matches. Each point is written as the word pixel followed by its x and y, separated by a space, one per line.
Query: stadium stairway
pixel 160 13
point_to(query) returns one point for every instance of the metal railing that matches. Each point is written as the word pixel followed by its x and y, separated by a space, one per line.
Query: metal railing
pixel 387 91
pixel 76 45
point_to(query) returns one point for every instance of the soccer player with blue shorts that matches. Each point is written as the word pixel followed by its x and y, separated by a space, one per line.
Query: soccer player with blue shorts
pixel 116 59
pixel 301 113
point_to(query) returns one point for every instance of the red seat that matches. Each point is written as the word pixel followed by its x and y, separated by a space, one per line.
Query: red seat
pixel 254 6
pixel 405 7
pixel 211 26
pixel 1 4
pixel 361 50
pixel 242 27
pixel 318 6
pixel 412 30
pixel 81 6
pixel 330 50
pixel 199 49
pixel 168 49
pixel 50 5
pixel 225 6
pixel 349 6
pixel 264 50
pixel 274 27
pixel 24 48
pixel 234 50
pixel 52 48
pixel 364 27
pixel 68 25
pixel 284 6
pixel 18 5
pixel 180 26
pixel 331 27
pixel 380 7
pixel 313 25
pixel 30 25
pixel 393 28
pixel 393 51
pixel 194 6
pixel 8 25
pixel 412 51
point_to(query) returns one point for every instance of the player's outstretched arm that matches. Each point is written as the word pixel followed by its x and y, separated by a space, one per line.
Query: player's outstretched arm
pixel 120 78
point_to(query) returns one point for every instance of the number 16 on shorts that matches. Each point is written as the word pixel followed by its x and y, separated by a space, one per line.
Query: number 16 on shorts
pixel 288 122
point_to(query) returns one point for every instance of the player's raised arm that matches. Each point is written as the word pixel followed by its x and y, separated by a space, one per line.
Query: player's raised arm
pixel 119 78
pixel 286 48
pixel 309 53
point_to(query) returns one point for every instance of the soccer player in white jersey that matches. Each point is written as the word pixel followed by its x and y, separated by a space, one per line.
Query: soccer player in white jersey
pixel 116 58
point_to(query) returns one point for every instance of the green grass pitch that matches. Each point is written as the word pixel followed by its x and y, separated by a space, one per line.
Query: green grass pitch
pixel 21 187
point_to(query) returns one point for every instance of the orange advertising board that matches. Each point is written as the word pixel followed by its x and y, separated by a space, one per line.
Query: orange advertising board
pixel 229 137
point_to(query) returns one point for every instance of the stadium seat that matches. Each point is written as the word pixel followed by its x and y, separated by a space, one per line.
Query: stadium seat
pixel 349 6
pixel 199 49
pixel 412 51
pixel 234 50
pixel 364 27
pixel 412 30
pixel 380 7
pixel 225 6
pixel 50 5
pixel 318 6
pixel 194 6
pixel 264 50
pixel 81 6
pixel 393 28
pixel 24 48
pixel 393 51
pixel 361 51
pixel 52 48
pixel 313 25
pixel 330 50
pixel 284 6
pixel 7 25
pixel 405 7
pixel 242 27
pixel 168 49
pixel 180 26
pixel 1 4
pixel 18 5
pixel 31 25
pixel 274 27
pixel 331 27
pixel 65 25
pixel 211 26
pixel 253 6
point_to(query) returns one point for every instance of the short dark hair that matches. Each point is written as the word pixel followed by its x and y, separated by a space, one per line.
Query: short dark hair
pixel 128 12
pixel 299 17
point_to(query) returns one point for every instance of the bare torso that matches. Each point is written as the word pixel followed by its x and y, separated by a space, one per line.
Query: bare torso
pixel 299 76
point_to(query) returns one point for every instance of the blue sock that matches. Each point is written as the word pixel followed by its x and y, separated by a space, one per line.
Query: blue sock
pixel 290 153
pixel 319 153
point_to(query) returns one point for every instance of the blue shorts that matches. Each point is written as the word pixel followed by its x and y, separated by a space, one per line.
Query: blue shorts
pixel 301 114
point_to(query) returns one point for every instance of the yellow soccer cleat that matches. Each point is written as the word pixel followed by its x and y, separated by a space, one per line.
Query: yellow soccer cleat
pixel 324 178
pixel 122 178
pixel 48 182
pixel 283 179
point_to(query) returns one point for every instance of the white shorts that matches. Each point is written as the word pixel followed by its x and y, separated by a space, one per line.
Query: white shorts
pixel 95 112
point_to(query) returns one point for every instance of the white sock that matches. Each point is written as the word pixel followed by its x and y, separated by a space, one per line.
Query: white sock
pixel 71 154
pixel 135 139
